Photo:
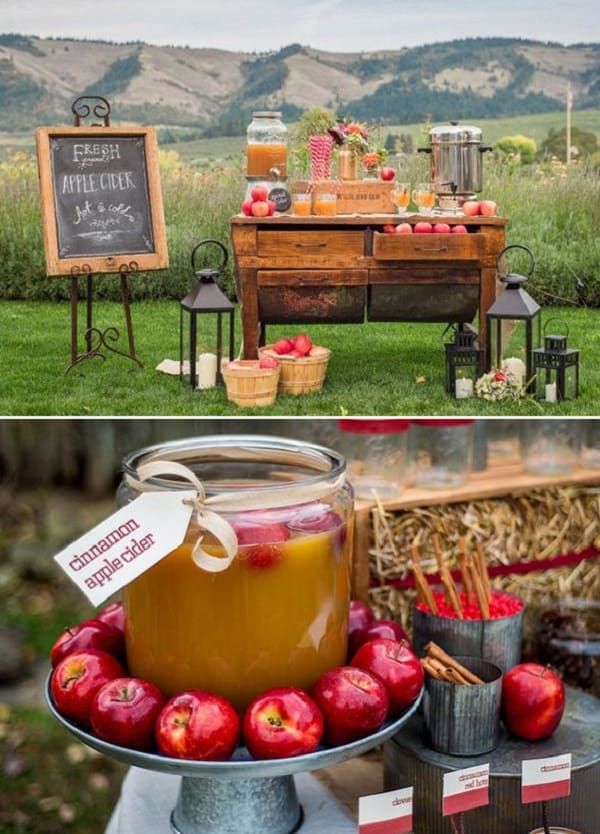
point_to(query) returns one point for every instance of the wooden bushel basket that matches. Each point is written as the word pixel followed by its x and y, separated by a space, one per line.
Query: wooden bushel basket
pixel 301 375
pixel 250 386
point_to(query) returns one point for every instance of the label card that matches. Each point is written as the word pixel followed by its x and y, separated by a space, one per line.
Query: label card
pixel 386 813
pixel 127 543
pixel 545 778
pixel 466 789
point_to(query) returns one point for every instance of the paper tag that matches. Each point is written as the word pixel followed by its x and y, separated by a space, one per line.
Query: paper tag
pixel 466 789
pixel 545 778
pixel 127 543
pixel 386 813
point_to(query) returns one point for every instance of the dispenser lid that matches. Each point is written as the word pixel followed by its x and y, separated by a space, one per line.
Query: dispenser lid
pixel 455 132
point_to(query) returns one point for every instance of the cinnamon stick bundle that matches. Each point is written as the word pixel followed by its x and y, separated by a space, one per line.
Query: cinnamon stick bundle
pixel 436 653
pixel 450 591
pixel 483 571
pixel 423 590
pixel 480 594
pixel 466 576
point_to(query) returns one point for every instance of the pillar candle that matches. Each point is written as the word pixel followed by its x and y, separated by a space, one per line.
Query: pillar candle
pixel 207 370
pixel 464 388
pixel 551 392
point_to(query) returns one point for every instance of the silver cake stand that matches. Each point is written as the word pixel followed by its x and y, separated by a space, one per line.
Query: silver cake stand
pixel 242 795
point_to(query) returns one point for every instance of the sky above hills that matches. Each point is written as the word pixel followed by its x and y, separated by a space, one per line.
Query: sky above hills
pixel 338 25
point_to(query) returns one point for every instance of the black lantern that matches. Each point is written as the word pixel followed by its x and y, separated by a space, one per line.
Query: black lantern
pixel 464 361
pixel 206 297
pixel 513 322
pixel 556 368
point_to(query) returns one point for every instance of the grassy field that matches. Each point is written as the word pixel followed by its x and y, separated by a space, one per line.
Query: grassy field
pixel 375 369
pixel 202 151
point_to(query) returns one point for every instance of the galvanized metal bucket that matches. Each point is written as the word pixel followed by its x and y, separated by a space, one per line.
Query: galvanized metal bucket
pixel 497 641
pixel 464 720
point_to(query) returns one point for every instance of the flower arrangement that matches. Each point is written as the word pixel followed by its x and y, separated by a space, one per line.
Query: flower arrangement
pixel 499 385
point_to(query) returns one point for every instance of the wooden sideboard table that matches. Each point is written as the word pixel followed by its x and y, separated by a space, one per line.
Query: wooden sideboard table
pixel 344 269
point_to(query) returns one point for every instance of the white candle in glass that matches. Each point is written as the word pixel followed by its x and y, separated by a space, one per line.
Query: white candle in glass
pixel 207 370
pixel 551 392
pixel 464 388
pixel 515 367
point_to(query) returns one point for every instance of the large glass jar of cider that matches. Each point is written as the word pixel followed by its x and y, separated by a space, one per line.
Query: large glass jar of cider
pixel 267 145
pixel 277 615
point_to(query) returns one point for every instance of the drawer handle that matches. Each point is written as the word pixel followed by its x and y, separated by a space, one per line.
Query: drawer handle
pixel 431 248
pixel 312 245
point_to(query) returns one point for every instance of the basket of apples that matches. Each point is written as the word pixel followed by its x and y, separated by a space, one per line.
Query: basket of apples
pixel 303 364
pixel 91 688
pixel 252 382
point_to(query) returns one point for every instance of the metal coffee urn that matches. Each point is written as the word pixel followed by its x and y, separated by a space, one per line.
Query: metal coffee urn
pixel 456 164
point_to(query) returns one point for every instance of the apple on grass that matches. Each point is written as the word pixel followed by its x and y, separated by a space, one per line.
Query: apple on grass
pixel 354 703
pixel 113 615
pixel 303 344
pixel 90 634
pixel 124 712
pixel 533 701
pixel 396 666
pixel 269 362
pixel 282 722
pixel 283 346
pixel 197 725
pixel 76 680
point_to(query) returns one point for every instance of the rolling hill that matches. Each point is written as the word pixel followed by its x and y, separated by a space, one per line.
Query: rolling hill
pixel 214 91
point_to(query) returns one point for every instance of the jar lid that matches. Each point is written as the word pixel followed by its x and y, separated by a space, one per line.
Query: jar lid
pixel 266 114
pixel 454 132
pixel 374 426
pixel 444 423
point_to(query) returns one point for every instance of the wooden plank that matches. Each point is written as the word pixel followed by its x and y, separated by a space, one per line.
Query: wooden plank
pixel 312 278
pixel 362 220
pixel 424 275
pixel 305 261
pixel 249 299
pixel 346 244
pixel 243 239
pixel 360 551
pixel 427 247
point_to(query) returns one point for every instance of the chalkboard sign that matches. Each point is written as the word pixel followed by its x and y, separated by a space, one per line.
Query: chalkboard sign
pixel 101 199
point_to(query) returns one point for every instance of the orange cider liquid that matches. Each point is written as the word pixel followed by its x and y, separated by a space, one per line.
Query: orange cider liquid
pixel 260 158
pixel 425 199
pixel 326 207
pixel 402 199
pixel 247 629
pixel 301 208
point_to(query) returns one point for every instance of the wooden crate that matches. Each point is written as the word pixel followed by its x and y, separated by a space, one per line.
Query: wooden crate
pixel 353 196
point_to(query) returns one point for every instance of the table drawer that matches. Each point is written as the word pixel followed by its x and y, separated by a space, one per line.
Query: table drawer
pixel 318 243
pixel 427 247
pixel 312 296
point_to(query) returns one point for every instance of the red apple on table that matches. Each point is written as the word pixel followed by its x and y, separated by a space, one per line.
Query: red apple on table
pixel 470 208
pixel 360 616
pixel 260 209
pixel 283 346
pixel 384 629
pixel 247 208
pixel 197 725
pixel 272 207
pixel 389 229
pixel 441 229
pixel 259 193
pixel 533 701
pixel 113 615
pixel 124 712
pixel 303 344
pixel 282 722
pixel 387 174
pixel 459 229
pixel 90 634
pixel 404 229
pixel 423 228
pixel 76 680
pixel 488 208
pixel 396 666
pixel 269 362
pixel 354 703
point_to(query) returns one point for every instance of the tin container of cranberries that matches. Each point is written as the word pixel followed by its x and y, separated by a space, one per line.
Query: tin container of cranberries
pixel 497 640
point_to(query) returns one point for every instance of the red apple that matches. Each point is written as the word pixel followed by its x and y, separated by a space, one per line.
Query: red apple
pixel 197 725
pixel 354 703
pixel 76 680
pixel 387 174
pixel 303 344
pixel 359 617
pixel 459 229
pixel 423 228
pixel 404 229
pixel 272 207
pixel 389 229
pixel 470 208
pixel 253 532
pixel 247 208
pixel 315 518
pixel 295 354
pixel 113 615
pixel 441 229
pixel 397 666
pixel 283 346
pixel 124 712
pixel 260 209
pixel 90 634
pixel 269 362
pixel 487 208
pixel 533 701
pixel 282 722
pixel 259 193
pixel 386 629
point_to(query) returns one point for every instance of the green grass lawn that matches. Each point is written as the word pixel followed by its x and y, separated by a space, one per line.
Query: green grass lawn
pixel 375 369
